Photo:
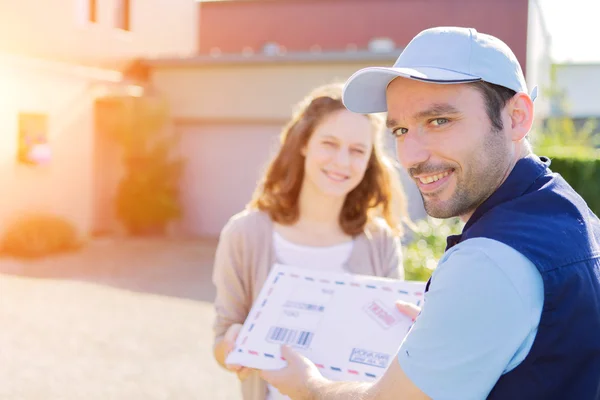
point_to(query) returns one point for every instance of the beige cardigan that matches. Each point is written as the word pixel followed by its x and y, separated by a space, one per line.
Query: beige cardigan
pixel 245 255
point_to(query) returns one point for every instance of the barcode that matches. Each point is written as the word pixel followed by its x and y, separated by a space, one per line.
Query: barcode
pixel 290 336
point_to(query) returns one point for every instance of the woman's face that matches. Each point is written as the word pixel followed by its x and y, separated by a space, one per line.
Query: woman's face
pixel 338 152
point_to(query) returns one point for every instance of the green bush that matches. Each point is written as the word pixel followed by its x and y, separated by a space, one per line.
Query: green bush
pixel 422 254
pixel 563 133
pixel 148 195
pixel 581 168
pixel 39 235
pixel 572 149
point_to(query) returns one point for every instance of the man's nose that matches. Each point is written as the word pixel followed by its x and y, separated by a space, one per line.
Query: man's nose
pixel 412 151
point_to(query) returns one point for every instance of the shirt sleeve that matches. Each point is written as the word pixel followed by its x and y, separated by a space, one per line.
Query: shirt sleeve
pixel 393 258
pixel 390 248
pixel 232 301
pixel 478 313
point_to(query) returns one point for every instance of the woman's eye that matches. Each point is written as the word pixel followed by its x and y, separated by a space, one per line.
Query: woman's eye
pixel 440 121
pixel 399 131
pixel 358 151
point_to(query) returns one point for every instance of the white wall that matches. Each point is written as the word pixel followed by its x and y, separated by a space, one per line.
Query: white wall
pixel 58 28
pixel 539 61
pixel 581 85
pixel 65 186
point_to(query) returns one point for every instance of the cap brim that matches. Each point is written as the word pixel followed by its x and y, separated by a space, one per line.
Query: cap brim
pixel 364 92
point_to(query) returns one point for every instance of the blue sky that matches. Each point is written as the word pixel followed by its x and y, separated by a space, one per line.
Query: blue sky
pixel 575 29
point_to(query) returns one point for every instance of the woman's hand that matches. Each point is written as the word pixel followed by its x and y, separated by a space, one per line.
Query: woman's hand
pixel 228 345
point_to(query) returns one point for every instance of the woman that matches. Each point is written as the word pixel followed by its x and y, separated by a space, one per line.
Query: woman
pixel 329 200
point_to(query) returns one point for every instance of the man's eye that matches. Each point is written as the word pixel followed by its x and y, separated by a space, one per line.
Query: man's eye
pixel 440 121
pixel 399 131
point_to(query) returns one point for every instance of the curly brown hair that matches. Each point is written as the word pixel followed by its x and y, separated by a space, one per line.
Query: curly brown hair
pixel 378 194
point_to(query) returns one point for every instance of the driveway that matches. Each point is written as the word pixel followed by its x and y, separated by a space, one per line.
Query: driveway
pixel 121 319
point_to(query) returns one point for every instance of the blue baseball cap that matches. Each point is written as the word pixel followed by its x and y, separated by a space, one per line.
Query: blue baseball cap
pixel 444 55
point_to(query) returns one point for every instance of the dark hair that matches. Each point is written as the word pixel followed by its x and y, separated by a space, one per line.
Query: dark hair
pixel 495 97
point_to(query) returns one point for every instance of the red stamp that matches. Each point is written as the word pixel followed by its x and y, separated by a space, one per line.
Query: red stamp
pixel 380 314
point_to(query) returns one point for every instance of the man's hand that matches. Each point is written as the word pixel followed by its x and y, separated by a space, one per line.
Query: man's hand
pixel 229 343
pixel 302 380
pixel 299 380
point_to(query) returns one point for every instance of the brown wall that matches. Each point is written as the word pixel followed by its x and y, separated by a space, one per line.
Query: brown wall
pixel 230 117
pixel 263 93
pixel 333 24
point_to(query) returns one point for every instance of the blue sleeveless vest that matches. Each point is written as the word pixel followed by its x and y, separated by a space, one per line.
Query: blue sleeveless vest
pixel 537 213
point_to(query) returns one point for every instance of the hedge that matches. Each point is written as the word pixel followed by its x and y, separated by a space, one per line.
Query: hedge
pixel 581 169
pixel 426 247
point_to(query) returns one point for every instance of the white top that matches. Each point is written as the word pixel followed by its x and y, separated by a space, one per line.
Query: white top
pixel 324 258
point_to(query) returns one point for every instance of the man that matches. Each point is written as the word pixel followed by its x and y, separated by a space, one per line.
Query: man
pixel 513 309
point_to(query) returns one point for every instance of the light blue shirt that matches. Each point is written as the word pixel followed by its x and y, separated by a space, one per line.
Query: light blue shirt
pixel 478 321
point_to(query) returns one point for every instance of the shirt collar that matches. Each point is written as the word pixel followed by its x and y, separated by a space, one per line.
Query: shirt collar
pixel 526 171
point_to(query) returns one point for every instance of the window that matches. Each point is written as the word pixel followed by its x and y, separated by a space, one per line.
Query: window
pixel 33 139
pixel 87 12
pixel 123 15
pixel 92 10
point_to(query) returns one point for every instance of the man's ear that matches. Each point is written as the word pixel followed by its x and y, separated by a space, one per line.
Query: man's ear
pixel 520 111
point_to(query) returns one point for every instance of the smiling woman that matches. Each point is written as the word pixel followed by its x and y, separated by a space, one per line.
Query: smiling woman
pixel 329 200
pixel 334 154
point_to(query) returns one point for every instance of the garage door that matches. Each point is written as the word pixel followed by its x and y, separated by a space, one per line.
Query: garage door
pixel 223 165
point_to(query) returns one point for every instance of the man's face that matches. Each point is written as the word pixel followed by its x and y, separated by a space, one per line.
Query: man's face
pixel 445 140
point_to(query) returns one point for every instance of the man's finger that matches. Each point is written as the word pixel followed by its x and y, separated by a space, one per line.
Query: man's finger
pixel 287 352
pixel 271 375
pixel 408 309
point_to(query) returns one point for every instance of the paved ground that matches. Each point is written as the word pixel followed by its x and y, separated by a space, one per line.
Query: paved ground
pixel 120 320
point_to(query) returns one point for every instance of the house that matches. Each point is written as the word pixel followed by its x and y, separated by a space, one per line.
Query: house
pixel 538 59
pixel 576 86
pixel 230 70
pixel 257 58
pixel 56 58
pixel 568 86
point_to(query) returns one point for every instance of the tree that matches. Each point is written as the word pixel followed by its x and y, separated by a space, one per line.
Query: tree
pixel 148 194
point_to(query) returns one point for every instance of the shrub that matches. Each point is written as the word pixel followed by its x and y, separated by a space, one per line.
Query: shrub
pixel 39 235
pixel 581 168
pixel 573 149
pixel 148 194
pixel 422 254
